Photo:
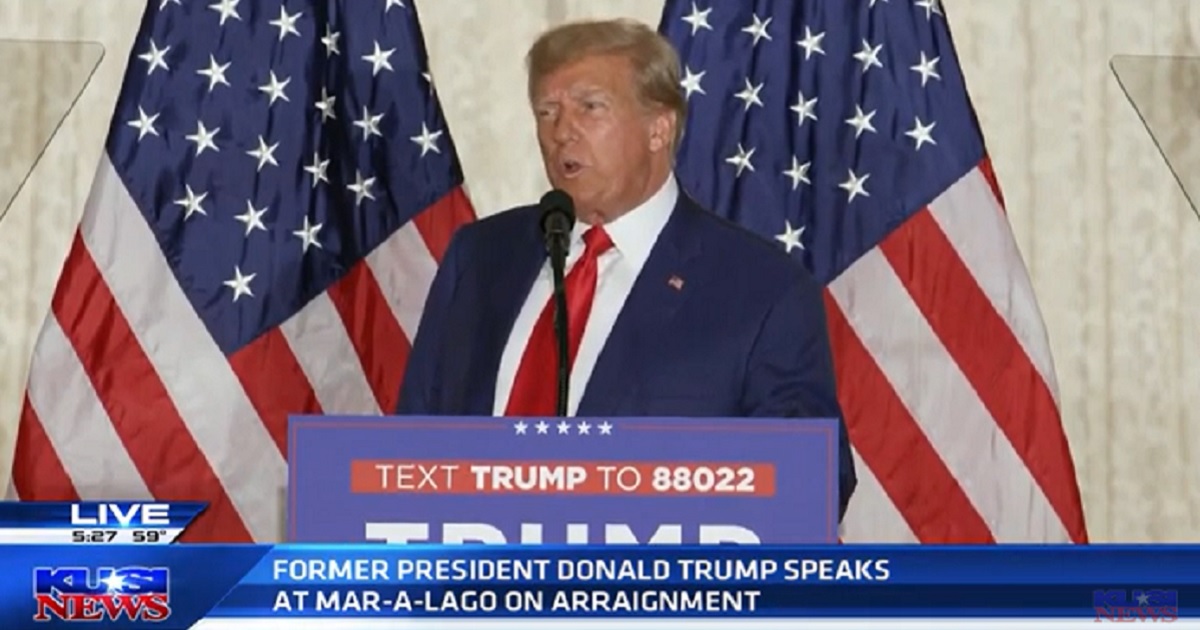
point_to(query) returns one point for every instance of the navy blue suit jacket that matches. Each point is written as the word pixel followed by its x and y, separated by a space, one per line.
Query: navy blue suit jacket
pixel 743 336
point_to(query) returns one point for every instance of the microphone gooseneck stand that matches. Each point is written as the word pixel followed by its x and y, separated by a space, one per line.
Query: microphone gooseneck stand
pixel 558 218
pixel 560 332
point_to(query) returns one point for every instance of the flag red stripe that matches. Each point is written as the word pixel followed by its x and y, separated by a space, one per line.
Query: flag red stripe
pixel 892 444
pixel 438 223
pixel 985 168
pixel 374 332
pixel 37 471
pixel 142 412
pixel 274 383
pixel 990 356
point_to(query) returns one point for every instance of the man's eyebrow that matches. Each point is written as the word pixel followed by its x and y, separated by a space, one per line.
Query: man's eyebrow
pixel 575 92
pixel 590 89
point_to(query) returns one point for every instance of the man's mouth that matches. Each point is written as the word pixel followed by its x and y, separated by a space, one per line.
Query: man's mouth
pixel 570 168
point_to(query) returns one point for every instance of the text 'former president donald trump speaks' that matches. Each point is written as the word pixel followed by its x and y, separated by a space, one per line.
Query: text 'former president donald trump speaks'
pixel 672 310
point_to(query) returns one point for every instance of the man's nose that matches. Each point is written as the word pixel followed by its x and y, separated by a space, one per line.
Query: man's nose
pixel 565 127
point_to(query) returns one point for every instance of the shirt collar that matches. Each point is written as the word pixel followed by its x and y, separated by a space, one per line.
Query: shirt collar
pixel 634 233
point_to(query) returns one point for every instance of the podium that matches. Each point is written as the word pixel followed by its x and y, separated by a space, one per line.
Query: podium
pixel 554 481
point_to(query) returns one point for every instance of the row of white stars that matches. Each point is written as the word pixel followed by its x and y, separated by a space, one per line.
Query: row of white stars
pixel 156 58
pixel 861 121
pixel 192 203
pixel 758 29
pixel 205 138
pixel 286 23
pixel 564 428
pixel 854 184
pixel 869 56
pixel 275 89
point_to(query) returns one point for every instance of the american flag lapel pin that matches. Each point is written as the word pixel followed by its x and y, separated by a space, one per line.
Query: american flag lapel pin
pixel 675 282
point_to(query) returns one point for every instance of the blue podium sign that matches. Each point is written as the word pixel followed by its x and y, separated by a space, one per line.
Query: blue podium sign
pixel 417 480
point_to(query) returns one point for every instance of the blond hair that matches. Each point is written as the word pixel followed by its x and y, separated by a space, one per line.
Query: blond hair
pixel 654 60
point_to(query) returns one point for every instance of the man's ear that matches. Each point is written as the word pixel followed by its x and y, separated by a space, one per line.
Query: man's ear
pixel 662 129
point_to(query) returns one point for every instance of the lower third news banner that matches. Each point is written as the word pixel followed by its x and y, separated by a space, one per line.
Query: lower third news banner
pixel 483 586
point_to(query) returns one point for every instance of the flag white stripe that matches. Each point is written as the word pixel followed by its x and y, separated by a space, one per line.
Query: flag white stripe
pixel 942 401
pixel 974 222
pixel 191 367
pixel 404 269
pixel 80 430
pixel 321 344
pixel 872 516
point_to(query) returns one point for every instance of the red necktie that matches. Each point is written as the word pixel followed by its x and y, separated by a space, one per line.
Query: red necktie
pixel 535 388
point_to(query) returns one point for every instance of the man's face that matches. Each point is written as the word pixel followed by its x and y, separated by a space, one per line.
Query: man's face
pixel 598 142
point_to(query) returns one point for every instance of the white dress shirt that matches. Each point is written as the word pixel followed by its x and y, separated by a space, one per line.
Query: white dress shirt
pixel 633 235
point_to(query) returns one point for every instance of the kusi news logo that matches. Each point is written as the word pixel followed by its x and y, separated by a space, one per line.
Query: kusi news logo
pixel 84 594
pixel 1149 604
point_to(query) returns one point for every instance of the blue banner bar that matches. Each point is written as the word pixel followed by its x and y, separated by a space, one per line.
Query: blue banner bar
pixel 173 586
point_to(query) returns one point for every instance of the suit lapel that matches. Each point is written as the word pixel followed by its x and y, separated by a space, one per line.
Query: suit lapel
pixel 516 261
pixel 657 294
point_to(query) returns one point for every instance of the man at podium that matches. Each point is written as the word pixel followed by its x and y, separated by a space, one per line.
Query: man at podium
pixel 672 310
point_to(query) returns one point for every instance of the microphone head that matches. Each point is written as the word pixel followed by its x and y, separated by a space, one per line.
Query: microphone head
pixel 558 211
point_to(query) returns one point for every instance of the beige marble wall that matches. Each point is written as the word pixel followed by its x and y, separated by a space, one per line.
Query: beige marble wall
pixel 1112 244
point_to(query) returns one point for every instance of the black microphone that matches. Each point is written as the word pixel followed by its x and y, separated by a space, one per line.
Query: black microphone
pixel 558 218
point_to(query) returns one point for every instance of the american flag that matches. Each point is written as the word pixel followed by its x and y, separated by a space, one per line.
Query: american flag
pixel 277 190
pixel 842 129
